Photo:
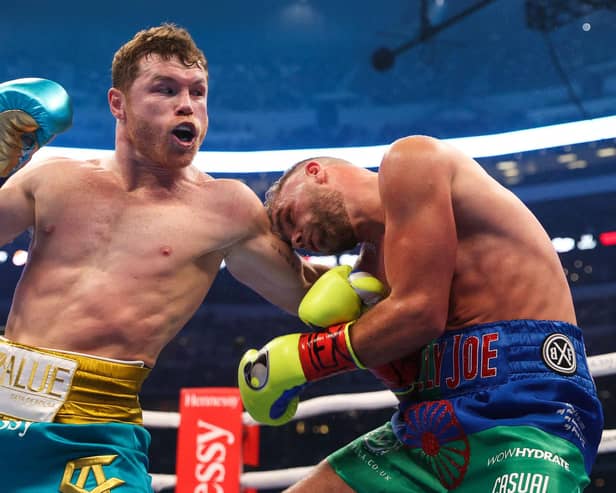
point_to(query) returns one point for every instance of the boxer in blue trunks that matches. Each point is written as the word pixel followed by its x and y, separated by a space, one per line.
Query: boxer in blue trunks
pixel 124 250
pixel 497 407
pixel 475 331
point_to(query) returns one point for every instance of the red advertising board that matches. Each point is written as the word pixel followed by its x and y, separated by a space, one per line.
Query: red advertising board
pixel 209 445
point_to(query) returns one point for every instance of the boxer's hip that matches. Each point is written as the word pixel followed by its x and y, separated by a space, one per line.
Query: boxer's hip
pixel 47 385
pixel 511 373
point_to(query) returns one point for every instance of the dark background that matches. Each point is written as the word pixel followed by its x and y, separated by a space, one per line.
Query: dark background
pixel 303 73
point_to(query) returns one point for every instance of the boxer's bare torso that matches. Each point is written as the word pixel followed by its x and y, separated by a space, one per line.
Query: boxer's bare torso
pixel 116 270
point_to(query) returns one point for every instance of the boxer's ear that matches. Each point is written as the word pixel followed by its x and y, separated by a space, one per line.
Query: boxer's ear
pixel 315 170
pixel 116 103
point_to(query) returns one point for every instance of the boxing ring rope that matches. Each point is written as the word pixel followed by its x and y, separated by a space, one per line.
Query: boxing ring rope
pixel 600 365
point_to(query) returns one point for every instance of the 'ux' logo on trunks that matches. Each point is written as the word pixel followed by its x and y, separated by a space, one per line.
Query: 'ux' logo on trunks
pixel 559 354
pixel 85 466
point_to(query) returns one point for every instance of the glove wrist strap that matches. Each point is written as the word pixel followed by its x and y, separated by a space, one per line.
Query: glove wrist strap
pixel 326 353
pixel 347 339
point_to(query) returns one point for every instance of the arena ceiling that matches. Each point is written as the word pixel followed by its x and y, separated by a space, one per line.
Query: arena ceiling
pixel 301 73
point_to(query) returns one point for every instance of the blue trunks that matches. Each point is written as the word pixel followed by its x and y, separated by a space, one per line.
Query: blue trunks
pixel 505 407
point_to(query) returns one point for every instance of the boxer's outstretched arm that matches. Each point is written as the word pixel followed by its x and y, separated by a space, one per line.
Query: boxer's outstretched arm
pixel 265 263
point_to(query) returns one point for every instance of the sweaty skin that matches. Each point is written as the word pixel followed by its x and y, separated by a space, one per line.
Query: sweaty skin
pixel 454 247
pixel 125 249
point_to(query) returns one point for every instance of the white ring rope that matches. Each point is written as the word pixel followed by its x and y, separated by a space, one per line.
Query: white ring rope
pixel 601 365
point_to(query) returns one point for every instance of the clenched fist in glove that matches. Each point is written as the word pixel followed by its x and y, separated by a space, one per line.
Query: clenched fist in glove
pixel 32 112
pixel 271 378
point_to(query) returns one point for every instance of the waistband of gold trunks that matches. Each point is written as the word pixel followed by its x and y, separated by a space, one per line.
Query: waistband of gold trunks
pixel 102 390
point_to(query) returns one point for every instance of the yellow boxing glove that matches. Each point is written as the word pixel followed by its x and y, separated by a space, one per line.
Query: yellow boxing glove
pixel 271 379
pixel 367 287
pixel 339 296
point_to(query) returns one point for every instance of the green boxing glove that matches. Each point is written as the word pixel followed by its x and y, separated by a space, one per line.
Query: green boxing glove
pixel 271 379
pixel 338 296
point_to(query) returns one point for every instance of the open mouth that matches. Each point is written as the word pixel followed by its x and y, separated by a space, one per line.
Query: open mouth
pixel 185 133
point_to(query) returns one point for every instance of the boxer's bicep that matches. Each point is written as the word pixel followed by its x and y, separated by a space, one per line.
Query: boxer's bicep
pixel 420 234
pixel 16 208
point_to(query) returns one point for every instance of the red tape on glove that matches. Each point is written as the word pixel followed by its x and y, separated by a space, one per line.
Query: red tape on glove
pixel 325 353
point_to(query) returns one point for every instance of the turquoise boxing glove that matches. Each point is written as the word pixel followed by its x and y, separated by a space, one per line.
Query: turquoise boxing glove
pixel 32 112
pixel 271 379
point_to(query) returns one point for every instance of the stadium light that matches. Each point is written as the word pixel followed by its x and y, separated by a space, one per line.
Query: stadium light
pixel 370 156
pixel 20 257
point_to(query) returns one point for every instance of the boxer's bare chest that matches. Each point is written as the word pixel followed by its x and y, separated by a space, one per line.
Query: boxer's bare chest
pixel 94 217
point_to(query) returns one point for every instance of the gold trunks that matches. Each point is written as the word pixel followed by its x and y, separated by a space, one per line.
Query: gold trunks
pixel 102 390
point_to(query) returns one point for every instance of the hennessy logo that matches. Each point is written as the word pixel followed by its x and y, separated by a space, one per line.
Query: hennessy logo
pixel 85 466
